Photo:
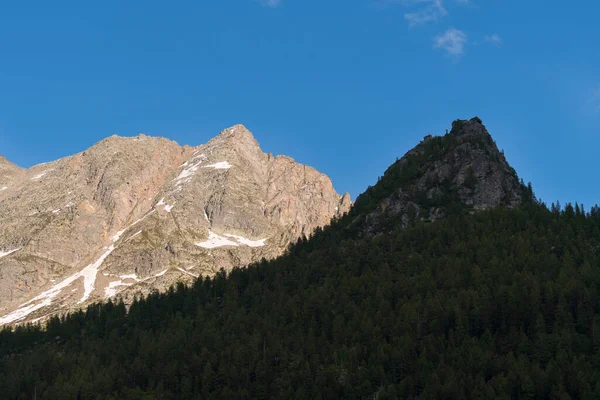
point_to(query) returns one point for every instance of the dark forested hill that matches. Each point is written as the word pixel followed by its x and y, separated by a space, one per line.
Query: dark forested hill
pixel 501 303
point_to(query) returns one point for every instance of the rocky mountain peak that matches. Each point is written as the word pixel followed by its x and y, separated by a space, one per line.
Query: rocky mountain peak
pixel 460 171
pixel 238 133
pixel 470 128
pixel 131 215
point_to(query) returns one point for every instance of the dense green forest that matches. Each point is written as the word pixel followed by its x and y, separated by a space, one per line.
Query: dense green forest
pixel 501 304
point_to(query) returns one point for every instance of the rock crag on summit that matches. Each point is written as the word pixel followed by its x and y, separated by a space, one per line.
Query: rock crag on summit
pixel 462 170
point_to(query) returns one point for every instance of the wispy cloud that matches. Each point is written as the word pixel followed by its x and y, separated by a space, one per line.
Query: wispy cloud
pixel 270 3
pixel 452 42
pixel 594 100
pixel 493 39
pixel 432 11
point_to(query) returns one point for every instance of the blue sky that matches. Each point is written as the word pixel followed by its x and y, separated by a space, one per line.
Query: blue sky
pixel 344 86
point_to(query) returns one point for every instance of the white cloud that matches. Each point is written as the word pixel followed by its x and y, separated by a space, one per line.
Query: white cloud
pixel 452 42
pixel 270 3
pixel 494 39
pixel 432 12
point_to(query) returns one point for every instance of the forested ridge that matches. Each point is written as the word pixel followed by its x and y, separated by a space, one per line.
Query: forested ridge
pixel 498 304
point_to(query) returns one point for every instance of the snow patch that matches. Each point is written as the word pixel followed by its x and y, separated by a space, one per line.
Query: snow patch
pixel 166 206
pixel 3 188
pixel 189 171
pixel 111 289
pixel 89 280
pixel 247 242
pixel 186 272
pixel 23 312
pixel 219 165
pixel 5 253
pixel 40 175
pixel 215 240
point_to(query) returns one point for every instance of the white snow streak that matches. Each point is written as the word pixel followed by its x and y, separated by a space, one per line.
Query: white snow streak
pixel 166 206
pixel 111 289
pixel 186 272
pixel 40 175
pixel 23 312
pixel 247 242
pixel 219 165
pixel 132 236
pixel 189 171
pixel 5 253
pixel 89 280
pixel 216 240
pixel 3 188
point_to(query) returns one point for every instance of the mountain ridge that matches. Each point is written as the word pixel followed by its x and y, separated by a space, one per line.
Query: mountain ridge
pixel 496 298
pixel 131 215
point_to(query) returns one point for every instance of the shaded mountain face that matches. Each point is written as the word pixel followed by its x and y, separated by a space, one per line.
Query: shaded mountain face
pixel 133 215
pixel 460 171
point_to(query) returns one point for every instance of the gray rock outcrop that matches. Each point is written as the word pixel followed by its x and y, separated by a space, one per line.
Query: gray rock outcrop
pixel 461 170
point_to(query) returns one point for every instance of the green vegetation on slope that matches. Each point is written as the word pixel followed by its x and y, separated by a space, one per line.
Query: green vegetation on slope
pixel 501 304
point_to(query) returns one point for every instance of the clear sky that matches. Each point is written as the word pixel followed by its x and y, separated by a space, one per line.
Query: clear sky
pixel 344 86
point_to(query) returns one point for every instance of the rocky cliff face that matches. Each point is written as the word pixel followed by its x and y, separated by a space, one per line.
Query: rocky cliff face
pixel 133 215
pixel 462 170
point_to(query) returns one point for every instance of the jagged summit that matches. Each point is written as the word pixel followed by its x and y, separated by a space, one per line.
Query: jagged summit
pixel 469 128
pixel 462 170
pixel 239 137
pixel 237 132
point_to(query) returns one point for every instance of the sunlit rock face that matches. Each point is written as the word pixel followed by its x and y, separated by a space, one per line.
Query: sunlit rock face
pixel 132 215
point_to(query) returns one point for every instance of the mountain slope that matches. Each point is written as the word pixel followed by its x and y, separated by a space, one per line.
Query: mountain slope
pixel 133 215
pixel 461 170
pixel 501 303
pixel 9 172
